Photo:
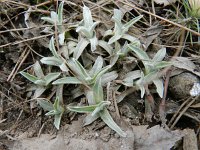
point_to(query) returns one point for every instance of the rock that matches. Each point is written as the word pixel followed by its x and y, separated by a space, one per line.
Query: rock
pixel 180 85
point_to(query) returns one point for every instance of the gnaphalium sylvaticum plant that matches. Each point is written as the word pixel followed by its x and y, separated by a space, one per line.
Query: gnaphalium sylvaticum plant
pixel 91 75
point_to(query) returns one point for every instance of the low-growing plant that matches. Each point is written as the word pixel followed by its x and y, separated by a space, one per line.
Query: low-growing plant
pixel 40 79
pixel 100 69
pixel 55 110
pixel 57 20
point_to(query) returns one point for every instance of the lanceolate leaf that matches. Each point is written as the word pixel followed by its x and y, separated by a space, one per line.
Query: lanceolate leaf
pixel 139 52
pixel 80 47
pixel 93 43
pixel 98 91
pixel 102 105
pixel 45 104
pixel 130 38
pixel 97 66
pixel 60 13
pixel 142 90
pixel 61 37
pixel 38 70
pixel 101 72
pixel 29 76
pixel 106 117
pixel 78 69
pixel 159 87
pixel 39 90
pixel 130 77
pixel 159 55
pixel 52 47
pixel 114 38
pixel 57 120
pixel 108 77
pixel 82 109
pixel 87 17
pixel 131 22
pixel 40 82
pixel 162 64
pixel 54 16
pixel 67 80
pixel 48 19
pixel 106 46
pixel 50 77
pixel 53 61
pixel 89 119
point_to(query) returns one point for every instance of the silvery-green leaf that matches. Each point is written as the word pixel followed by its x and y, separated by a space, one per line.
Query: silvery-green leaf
pixel 117 17
pixel 54 61
pixel 114 59
pixel 118 14
pixel 98 92
pixel 87 17
pixel 41 82
pixel 59 93
pixel 159 87
pixel 38 92
pixel 77 68
pixel 124 50
pixel 54 16
pixel 63 67
pixel 45 104
pixel 91 29
pixel 142 90
pixel 131 22
pixel 85 31
pixel 29 76
pixel 162 64
pixel 114 38
pixel 52 112
pixel 117 47
pixel 150 77
pixel 90 97
pixel 71 46
pixel 82 109
pixel 50 77
pixel 52 47
pixel 130 77
pixel 100 107
pixel 57 106
pixel 57 120
pixel 61 38
pixel 67 80
pixel 48 19
pixel 159 55
pixel 105 46
pixel 106 117
pixel 60 13
pixel 130 38
pixel 89 119
pixel 80 47
pixel 97 66
pixel 38 70
pixel 101 72
pixel 93 43
pixel 108 77
pixel 107 33
pixel 139 52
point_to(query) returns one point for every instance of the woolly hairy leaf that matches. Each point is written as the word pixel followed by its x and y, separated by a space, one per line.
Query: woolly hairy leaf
pixel 67 80
pixel 45 104
pixel 106 117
